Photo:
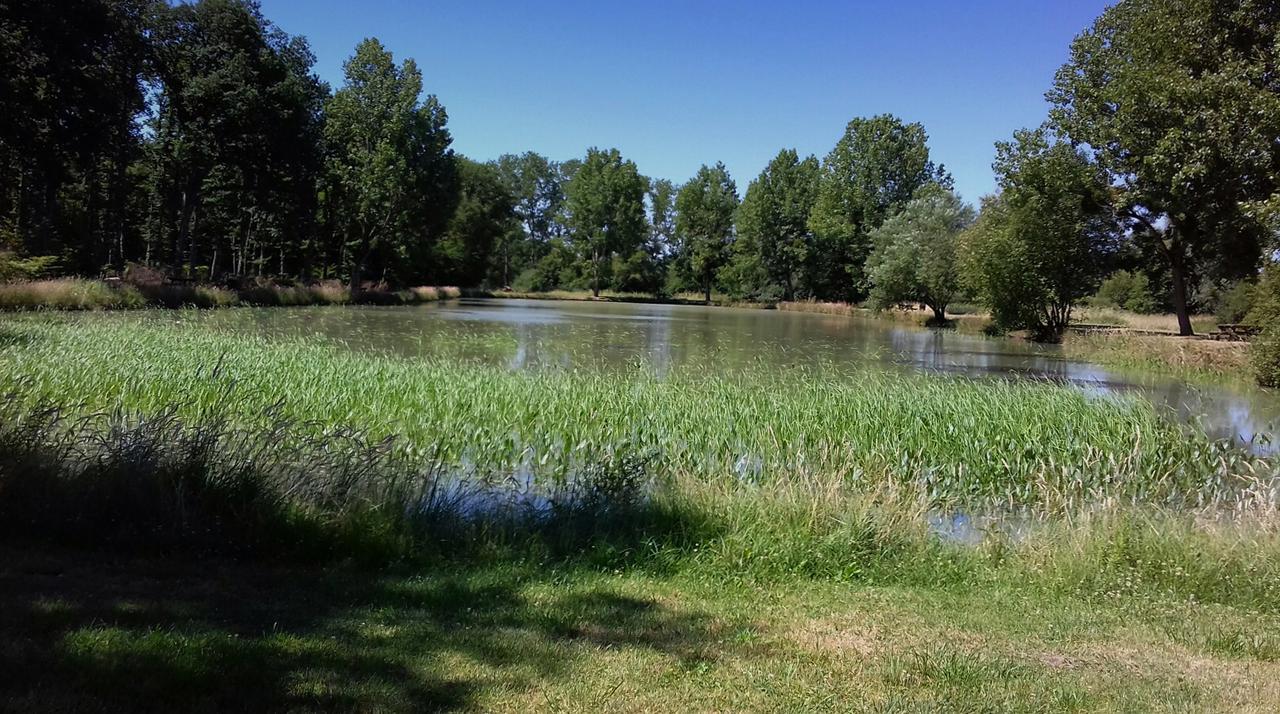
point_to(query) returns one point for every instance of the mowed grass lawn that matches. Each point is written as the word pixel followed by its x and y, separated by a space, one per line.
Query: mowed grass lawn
pixel 101 634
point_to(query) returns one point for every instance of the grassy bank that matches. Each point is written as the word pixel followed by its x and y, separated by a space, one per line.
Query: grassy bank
pixel 312 528
pixel 82 294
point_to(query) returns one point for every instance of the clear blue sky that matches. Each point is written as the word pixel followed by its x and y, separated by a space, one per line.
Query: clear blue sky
pixel 677 84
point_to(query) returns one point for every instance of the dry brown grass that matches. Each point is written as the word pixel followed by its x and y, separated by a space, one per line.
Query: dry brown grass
pixel 1191 356
pixel 1147 323
pixel 67 294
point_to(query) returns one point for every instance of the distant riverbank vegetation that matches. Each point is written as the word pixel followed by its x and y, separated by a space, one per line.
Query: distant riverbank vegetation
pixel 196 140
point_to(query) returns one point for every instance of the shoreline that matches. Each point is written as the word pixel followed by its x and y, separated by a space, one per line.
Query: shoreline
pixel 1139 349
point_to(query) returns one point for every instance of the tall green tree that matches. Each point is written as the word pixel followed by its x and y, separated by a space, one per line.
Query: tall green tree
pixel 537 186
pixel 873 170
pixel 390 166
pixel 604 207
pixel 913 258
pixel 773 220
pixel 485 215
pixel 705 208
pixel 1044 243
pixel 69 92
pixel 1180 101
pixel 236 136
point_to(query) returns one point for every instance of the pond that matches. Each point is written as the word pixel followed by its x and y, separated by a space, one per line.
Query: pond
pixel 546 334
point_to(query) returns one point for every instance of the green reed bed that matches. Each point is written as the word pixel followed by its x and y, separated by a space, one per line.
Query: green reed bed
pixel 960 442
pixel 169 435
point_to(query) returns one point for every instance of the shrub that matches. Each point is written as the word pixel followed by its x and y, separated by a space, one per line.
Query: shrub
pixel 167 295
pixel 1264 306
pixel 30 268
pixel 1264 312
pixel 1233 304
pixel 1264 353
pixel 1128 291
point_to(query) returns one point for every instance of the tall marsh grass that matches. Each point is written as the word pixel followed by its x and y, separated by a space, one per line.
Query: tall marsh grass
pixel 186 438
pixel 68 294
pixel 962 442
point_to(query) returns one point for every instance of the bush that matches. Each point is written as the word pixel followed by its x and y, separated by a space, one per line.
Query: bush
pixel 1233 304
pixel 31 268
pixel 1264 354
pixel 1264 312
pixel 1264 306
pixel 1128 291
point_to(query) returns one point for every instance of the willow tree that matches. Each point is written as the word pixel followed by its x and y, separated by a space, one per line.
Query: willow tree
pixel 1043 243
pixel 913 258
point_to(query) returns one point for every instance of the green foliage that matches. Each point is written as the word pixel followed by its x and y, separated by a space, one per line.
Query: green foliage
pixel 604 207
pixel 954 442
pixel 69 94
pixel 537 184
pixel 1127 291
pixel 705 209
pixel 913 258
pixel 1041 245
pixel 234 154
pixel 1264 355
pixel 874 169
pixel 30 268
pixel 1234 303
pixel 484 218
pixel 775 245
pixel 1178 101
pixel 1264 312
pixel 68 294
pixel 391 171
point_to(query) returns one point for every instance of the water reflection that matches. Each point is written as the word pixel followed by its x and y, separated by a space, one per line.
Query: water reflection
pixel 534 334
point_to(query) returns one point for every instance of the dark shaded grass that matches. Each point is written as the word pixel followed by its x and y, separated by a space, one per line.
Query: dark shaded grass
pixel 159 484
pixel 118 634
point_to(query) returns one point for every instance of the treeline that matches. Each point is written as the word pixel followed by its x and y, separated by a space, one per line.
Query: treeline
pixel 196 139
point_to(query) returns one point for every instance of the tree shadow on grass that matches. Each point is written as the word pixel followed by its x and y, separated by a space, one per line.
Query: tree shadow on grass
pixel 83 633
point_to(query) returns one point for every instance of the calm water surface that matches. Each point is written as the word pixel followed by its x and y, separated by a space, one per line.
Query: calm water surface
pixel 539 334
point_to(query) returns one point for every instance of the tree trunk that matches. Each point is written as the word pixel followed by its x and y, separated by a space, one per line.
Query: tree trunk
pixel 595 273
pixel 1178 276
pixel 707 290
pixel 186 239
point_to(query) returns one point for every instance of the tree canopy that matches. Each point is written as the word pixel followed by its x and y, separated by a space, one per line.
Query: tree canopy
pixel 1180 103
pixel 604 209
pixel 874 169
pixel 391 169
pixel 773 221
pixel 705 209
pixel 1042 244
